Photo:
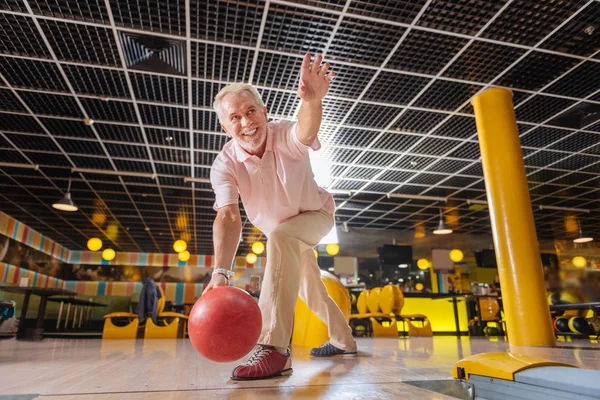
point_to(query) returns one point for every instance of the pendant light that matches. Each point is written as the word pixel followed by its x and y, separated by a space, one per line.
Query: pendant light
pixel 66 204
pixel 582 238
pixel 442 229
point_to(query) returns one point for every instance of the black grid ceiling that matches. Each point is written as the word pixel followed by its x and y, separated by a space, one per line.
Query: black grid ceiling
pixel 397 119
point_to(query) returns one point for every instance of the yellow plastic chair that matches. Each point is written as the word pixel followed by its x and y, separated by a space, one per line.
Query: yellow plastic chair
pixel 169 326
pixel 413 330
pixel 169 330
pixel 373 301
pixel 391 300
pixel 362 305
pixel 383 307
pixel 130 329
pixel 390 303
pixel 384 329
pixel 380 303
pixel 361 302
pixel 114 331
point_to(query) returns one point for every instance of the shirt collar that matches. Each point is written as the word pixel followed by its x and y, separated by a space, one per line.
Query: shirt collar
pixel 242 155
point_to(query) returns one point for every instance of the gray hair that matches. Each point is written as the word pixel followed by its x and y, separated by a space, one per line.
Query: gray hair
pixel 236 88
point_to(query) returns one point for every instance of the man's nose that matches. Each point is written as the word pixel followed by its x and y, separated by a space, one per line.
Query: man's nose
pixel 246 121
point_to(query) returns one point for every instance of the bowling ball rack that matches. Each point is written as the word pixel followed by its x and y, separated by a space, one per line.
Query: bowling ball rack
pixel 560 309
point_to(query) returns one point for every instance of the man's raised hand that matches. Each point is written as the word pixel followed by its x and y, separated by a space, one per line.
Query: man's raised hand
pixel 314 79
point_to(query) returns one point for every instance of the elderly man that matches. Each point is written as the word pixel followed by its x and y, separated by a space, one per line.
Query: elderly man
pixel 267 164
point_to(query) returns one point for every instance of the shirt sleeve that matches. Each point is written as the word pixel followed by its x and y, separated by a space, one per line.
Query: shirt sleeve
pixel 296 147
pixel 224 184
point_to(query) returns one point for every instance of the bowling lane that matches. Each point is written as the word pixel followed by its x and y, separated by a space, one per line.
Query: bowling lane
pixel 335 392
pixel 92 366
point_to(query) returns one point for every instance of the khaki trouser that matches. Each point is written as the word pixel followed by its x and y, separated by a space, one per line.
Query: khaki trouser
pixel 292 271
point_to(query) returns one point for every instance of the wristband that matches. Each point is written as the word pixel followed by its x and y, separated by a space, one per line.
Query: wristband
pixel 228 274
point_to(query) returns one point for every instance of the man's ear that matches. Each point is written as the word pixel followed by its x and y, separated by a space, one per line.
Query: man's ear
pixel 265 112
pixel 225 130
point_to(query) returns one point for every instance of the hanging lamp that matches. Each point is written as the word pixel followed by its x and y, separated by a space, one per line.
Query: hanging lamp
pixel 442 229
pixel 65 203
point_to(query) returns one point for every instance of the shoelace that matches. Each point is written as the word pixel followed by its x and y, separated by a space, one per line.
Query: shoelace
pixel 258 356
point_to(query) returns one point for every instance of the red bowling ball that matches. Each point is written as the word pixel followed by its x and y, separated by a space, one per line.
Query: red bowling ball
pixel 224 324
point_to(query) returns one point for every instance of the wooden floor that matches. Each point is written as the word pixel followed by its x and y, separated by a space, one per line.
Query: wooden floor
pixel 93 369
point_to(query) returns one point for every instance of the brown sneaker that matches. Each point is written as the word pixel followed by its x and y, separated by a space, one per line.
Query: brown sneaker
pixel 265 362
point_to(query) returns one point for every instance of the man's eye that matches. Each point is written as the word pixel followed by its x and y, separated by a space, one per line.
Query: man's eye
pixel 250 112
pixel 235 118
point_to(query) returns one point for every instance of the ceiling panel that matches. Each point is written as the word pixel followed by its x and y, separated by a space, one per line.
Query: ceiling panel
pixel 398 117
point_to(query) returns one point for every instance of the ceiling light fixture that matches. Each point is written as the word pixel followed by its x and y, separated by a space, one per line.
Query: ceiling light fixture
pixel 442 229
pixel 112 172
pixel 483 202
pixel 583 210
pixel 416 197
pixel 65 203
pixel 19 165
pixel 345 228
pixel 196 180
pixel 582 238
pixel 340 191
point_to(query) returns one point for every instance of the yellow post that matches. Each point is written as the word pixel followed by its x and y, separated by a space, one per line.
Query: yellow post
pixel 434 281
pixel 526 309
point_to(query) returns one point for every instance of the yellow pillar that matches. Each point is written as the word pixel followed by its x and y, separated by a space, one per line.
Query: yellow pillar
pixel 526 309
pixel 434 281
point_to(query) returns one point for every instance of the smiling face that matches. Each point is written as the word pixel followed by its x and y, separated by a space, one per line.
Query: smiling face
pixel 244 121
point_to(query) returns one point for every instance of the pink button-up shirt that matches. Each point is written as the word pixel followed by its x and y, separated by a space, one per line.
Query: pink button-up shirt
pixel 274 188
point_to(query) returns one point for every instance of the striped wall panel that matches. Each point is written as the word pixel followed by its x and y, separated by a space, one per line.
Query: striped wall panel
pixel 20 232
pixel 178 293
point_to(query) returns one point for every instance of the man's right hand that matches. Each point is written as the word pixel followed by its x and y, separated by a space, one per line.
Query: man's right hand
pixel 216 281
